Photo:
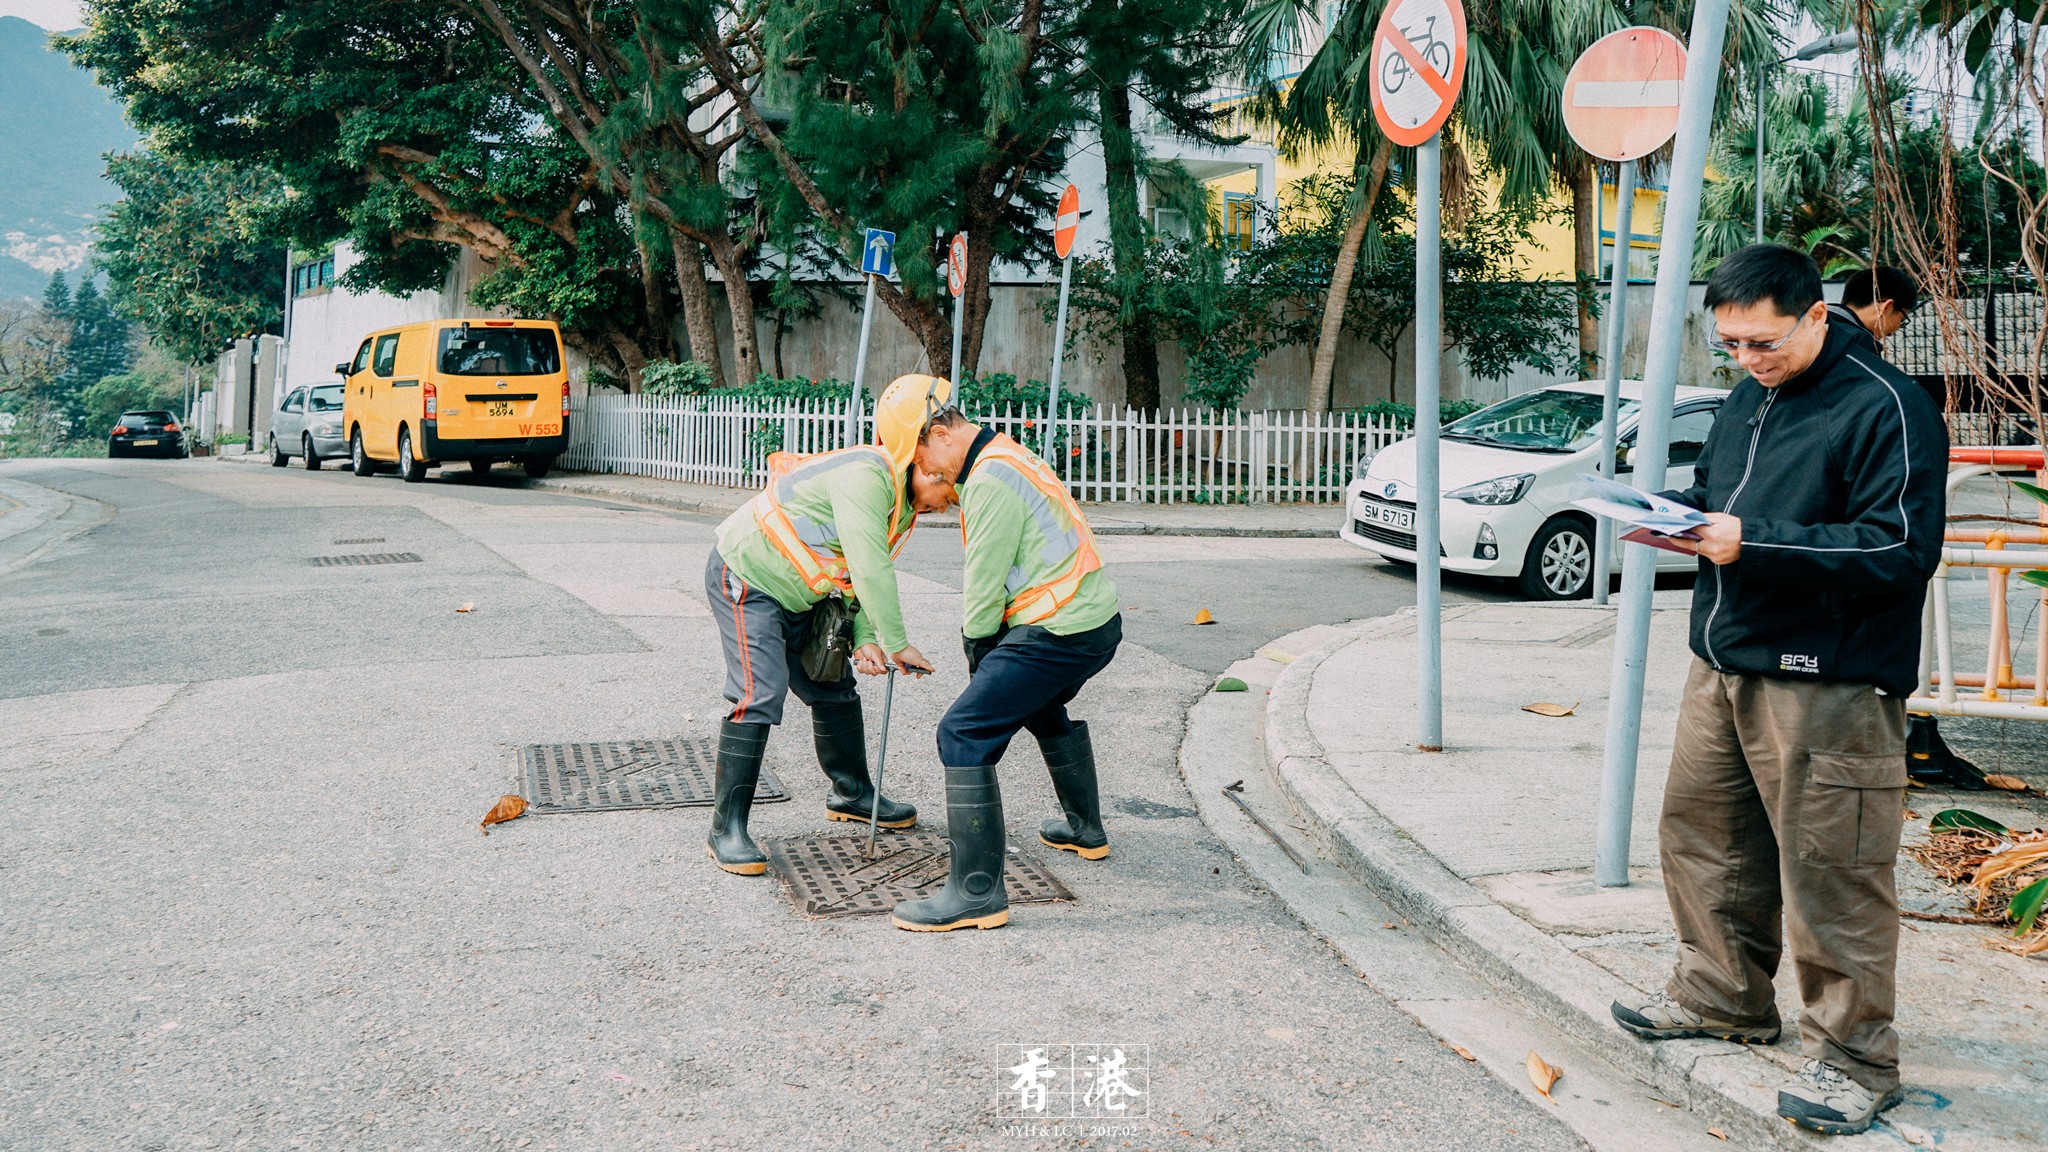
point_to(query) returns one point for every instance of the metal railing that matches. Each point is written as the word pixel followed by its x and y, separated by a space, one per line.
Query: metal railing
pixel 1107 453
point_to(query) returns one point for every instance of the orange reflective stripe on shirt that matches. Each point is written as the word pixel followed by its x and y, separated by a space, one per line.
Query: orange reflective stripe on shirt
pixel 1070 545
pixel 805 543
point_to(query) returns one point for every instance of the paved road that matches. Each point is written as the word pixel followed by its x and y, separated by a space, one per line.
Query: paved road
pixel 248 906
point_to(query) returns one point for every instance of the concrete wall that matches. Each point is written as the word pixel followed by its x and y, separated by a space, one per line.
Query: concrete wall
pixel 1019 341
pixel 327 324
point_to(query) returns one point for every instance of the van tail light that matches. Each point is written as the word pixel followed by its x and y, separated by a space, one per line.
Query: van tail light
pixel 431 395
pixel 120 429
pixel 565 398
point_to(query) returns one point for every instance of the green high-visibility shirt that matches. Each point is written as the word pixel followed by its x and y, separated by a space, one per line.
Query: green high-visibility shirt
pixel 849 506
pixel 1007 552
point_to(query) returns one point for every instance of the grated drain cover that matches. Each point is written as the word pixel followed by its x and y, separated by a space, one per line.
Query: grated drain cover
pixel 604 777
pixel 355 558
pixel 829 876
pixel 363 540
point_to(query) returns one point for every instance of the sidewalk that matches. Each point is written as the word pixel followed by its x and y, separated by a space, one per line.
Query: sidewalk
pixel 1109 519
pixel 1488 846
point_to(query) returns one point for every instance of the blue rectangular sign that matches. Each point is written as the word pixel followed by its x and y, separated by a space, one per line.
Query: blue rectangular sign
pixel 878 256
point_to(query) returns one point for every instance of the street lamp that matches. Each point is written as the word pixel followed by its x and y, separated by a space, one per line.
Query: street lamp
pixel 1834 45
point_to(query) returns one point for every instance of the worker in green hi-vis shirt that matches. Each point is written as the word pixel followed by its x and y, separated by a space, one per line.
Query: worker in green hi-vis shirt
pixel 1039 620
pixel 816 546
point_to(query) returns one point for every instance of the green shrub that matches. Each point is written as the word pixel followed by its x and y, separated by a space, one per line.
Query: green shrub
pixel 665 378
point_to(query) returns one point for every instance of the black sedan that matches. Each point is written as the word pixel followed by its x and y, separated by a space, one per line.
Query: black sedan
pixel 147 434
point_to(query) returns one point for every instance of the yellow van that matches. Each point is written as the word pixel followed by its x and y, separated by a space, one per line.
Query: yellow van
pixel 478 390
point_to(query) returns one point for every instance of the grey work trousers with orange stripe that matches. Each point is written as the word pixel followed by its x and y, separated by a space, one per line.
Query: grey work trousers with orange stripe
pixel 1781 819
pixel 761 640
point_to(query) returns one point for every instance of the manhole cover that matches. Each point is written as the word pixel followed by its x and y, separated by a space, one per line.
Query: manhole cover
pixel 356 558
pixel 628 774
pixel 832 875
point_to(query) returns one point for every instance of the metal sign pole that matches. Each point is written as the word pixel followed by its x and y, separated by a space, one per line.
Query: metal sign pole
pixel 1429 308
pixel 958 310
pixel 1059 355
pixel 860 367
pixel 1617 344
pixel 1653 440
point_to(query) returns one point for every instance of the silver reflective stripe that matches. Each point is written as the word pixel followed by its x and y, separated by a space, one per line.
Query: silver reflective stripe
pixel 1018 581
pixel 819 536
pixel 1062 539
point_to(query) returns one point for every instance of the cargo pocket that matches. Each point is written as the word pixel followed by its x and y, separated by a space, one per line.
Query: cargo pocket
pixel 1852 809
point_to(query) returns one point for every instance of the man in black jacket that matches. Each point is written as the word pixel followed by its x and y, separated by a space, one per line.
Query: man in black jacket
pixel 1822 480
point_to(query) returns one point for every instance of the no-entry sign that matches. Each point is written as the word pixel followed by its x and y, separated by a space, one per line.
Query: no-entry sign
pixel 956 264
pixel 1067 222
pixel 1418 63
pixel 1621 97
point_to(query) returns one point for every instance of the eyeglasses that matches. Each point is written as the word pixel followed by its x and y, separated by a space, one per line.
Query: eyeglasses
pixel 932 407
pixel 1733 346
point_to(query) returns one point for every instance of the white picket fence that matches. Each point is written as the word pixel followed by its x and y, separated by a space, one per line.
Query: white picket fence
pixel 1173 456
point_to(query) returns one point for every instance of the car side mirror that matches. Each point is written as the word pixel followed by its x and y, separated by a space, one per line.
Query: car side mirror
pixel 1621 459
pixel 341 369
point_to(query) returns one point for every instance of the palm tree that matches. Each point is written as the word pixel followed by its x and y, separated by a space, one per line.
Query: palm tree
pixel 1818 192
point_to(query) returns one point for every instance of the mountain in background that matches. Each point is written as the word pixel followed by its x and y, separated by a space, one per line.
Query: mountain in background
pixel 55 125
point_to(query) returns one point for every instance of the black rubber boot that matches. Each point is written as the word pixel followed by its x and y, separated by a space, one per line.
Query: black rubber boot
pixel 841 736
pixel 740 749
pixel 1930 760
pixel 973 896
pixel 1071 761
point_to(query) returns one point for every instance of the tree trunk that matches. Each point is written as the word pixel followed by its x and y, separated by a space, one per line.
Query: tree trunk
pixel 739 303
pixel 661 329
pixel 1127 247
pixel 1586 260
pixel 980 258
pixel 699 318
pixel 1320 377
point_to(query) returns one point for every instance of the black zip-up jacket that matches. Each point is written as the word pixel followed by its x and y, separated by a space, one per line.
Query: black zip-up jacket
pixel 1837 476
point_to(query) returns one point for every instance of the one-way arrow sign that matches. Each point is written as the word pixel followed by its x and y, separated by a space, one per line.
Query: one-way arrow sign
pixel 878 258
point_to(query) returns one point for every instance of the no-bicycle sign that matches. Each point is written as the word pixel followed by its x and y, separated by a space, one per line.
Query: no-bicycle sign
pixel 1418 63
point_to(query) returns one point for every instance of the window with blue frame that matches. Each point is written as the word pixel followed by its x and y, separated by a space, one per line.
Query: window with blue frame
pixel 1240 220
pixel 313 275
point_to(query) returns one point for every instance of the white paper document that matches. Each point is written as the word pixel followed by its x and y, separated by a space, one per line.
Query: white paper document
pixel 1641 509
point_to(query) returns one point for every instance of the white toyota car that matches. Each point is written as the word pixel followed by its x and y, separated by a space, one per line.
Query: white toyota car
pixel 1509 474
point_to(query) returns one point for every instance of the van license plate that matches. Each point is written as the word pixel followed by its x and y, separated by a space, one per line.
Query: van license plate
pixel 501 408
pixel 1388 516
pixel 145 443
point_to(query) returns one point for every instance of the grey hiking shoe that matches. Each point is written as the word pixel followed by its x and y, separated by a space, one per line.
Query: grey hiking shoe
pixel 1824 1099
pixel 1659 1017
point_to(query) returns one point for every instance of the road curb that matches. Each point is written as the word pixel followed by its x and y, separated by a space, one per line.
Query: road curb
pixel 1726 1084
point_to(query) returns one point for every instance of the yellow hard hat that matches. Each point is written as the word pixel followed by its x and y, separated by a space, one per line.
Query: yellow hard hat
pixel 906 405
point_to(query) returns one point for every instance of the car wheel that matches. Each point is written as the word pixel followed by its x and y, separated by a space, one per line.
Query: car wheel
pixel 537 466
pixel 359 460
pixel 480 467
pixel 277 457
pixel 410 467
pixel 311 458
pixel 1559 565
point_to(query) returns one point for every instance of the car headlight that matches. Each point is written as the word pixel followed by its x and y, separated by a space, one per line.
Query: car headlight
pixel 1504 490
pixel 330 429
pixel 1364 462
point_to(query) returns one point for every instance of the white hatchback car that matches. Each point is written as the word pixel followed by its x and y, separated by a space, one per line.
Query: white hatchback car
pixel 1509 475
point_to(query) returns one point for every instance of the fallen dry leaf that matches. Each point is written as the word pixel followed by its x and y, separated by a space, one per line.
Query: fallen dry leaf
pixel 508 808
pixel 1917 1137
pixel 1202 617
pixel 1551 709
pixel 1542 1073
pixel 468 606
pixel 1461 1050
pixel 2006 783
pixel 1717 1134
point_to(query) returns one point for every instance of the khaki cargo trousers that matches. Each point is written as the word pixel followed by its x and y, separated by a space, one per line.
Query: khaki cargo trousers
pixel 1781 819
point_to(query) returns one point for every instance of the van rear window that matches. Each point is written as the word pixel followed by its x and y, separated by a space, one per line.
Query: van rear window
pixel 499 352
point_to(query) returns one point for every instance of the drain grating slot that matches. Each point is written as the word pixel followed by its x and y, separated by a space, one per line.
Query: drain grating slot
pixel 608 776
pixel 358 558
pixel 828 876
pixel 363 540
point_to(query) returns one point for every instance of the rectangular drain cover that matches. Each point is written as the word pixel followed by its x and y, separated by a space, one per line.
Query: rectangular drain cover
pixel 363 540
pixel 355 558
pixel 831 875
pixel 604 777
